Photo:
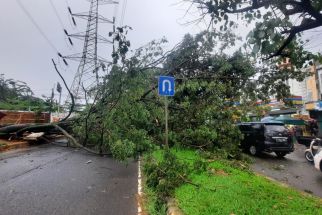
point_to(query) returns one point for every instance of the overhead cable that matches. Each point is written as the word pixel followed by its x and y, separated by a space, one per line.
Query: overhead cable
pixel 67 3
pixel 36 25
pixel 57 14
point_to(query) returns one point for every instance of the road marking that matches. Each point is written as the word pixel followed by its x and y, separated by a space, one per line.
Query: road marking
pixel 139 187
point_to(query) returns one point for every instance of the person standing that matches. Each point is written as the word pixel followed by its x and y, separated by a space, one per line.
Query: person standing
pixel 314 128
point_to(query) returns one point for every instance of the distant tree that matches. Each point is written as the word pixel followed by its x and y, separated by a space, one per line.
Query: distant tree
pixel 10 88
pixel 17 95
pixel 275 33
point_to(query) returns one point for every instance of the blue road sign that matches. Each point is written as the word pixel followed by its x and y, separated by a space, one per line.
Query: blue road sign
pixel 166 86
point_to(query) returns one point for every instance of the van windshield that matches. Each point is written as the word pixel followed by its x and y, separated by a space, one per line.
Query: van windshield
pixel 278 128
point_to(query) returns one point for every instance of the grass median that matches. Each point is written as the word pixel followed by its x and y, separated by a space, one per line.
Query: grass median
pixel 225 189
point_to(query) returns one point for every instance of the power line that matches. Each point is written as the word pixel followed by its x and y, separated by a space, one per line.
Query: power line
pixel 67 3
pixel 61 23
pixel 36 25
pixel 57 14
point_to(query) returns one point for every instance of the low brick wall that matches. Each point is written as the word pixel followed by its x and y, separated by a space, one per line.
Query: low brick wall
pixel 22 117
pixel 12 145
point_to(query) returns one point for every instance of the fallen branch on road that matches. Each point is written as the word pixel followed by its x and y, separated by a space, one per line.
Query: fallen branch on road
pixel 48 127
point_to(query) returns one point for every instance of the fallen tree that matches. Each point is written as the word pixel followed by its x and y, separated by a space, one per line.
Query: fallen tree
pixel 13 128
pixel 17 131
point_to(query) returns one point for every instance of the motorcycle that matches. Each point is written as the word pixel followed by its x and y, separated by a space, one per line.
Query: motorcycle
pixel 314 148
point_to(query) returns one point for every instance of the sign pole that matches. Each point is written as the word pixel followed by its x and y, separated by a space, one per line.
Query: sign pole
pixel 166 123
pixel 166 87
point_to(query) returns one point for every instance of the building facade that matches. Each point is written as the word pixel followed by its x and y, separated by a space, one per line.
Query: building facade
pixel 310 89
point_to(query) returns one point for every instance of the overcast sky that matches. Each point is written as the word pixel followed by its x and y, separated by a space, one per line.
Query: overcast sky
pixel 26 55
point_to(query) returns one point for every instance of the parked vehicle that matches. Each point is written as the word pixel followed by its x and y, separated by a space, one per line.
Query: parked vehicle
pixel 313 149
pixel 266 137
pixel 318 160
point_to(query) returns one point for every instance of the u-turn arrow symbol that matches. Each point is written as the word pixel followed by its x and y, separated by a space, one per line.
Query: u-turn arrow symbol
pixel 164 89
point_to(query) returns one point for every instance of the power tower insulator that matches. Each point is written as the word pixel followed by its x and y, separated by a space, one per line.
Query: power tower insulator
pixel 70 41
pixel 74 22
pixel 66 32
pixel 62 57
pixel 72 15
pixel 70 11
pixel 65 62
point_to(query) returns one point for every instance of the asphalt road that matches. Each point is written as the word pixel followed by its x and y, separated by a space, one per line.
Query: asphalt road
pixel 49 179
pixel 293 170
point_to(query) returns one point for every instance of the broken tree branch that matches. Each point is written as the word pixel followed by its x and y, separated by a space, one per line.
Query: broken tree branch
pixel 71 110
pixel 63 131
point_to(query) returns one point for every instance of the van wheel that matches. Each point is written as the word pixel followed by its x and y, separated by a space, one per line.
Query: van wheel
pixel 280 154
pixel 253 150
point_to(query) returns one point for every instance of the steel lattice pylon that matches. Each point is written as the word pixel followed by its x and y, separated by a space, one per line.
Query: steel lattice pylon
pixel 86 76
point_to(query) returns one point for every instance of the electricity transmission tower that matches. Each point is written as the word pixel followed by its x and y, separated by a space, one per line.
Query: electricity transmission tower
pixel 87 74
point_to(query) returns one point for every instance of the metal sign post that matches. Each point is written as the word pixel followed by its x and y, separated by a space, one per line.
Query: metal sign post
pixel 166 122
pixel 166 88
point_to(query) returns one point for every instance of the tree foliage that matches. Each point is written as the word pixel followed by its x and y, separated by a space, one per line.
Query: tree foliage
pixel 10 88
pixel 17 95
pixel 209 84
pixel 119 121
pixel 128 115
pixel 275 34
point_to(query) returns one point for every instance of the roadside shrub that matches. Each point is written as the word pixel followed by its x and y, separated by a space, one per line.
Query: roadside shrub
pixel 200 165
pixel 174 139
pixel 163 177
pixel 202 136
pixel 141 139
pixel 122 149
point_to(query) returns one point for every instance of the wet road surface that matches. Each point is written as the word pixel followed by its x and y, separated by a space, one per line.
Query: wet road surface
pixel 293 170
pixel 49 179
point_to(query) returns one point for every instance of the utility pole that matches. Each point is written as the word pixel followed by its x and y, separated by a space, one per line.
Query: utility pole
pixel 52 99
pixel 59 90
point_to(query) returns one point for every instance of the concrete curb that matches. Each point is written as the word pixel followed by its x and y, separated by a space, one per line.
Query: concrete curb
pixel 140 193
pixel 286 185
pixel 172 208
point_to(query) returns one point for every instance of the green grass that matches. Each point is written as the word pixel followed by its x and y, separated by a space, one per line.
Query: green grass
pixel 238 192
pixel 150 203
